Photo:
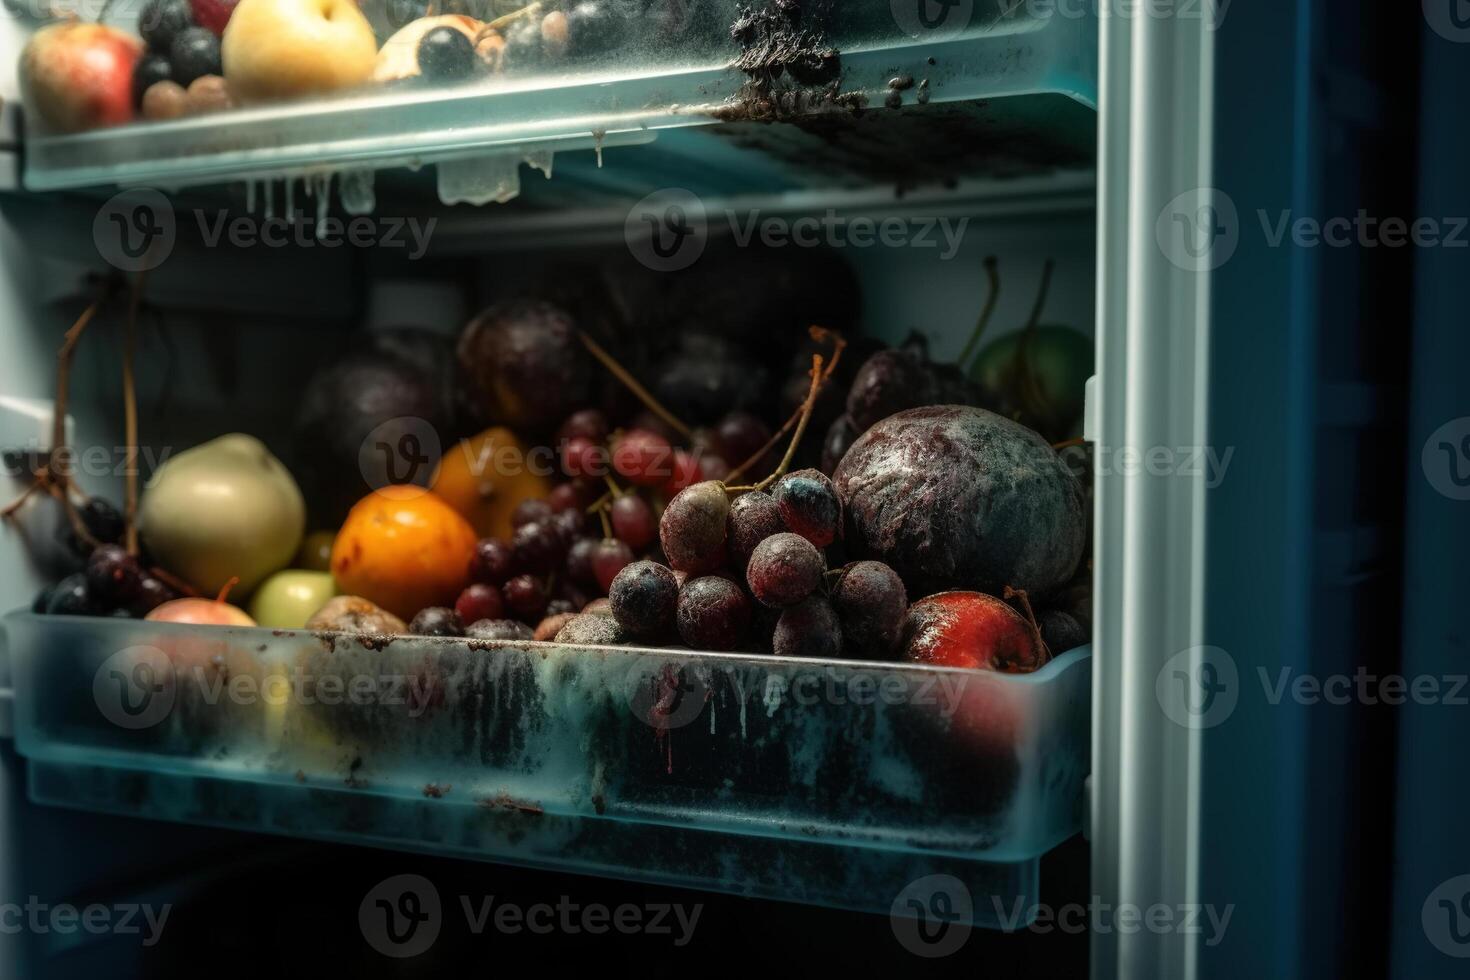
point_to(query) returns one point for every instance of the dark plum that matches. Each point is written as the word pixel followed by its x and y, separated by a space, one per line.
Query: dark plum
pixel 713 613
pixel 692 529
pixel 525 598
pixel 753 517
pixel 644 597
pixel 528 364
pixel 436 621
pixel 685 470
pixel 784 569
pixel 499 629
pixel 954 496
pixel 888 382
pixel 493 563
pixel 633 521
pixel 810 506
pixel 870 600
pixel 446 55
pixel 808 629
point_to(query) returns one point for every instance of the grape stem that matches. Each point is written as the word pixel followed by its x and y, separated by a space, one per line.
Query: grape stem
pixel 607 531
pixel 505 20
pixel 818 334
pixel 1025 600
pixel 992 273
pixel 130 417
pixel 631 383
pixel 806 416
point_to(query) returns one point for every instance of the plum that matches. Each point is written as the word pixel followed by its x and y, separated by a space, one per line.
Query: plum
pixel 888 382
pixel 952 496
pixel 528 364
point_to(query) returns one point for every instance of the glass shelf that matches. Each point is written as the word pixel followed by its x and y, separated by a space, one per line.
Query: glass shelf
pixel 1028 81
pixel 827 782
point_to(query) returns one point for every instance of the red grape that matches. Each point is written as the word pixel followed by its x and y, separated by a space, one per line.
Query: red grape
pixel 685 471
pixel 529 511
pixel 809 629
pixel 713 613
pixel 643 457
pixel 692 529
pixel 588 424
pixel 753 517
pixel 610 557
pixel 632 521
pixel 871 601
pixel 742 434
pixel 436 621
pixel 525 598
pixel 539 547
pixel 498 629
pixel 810 506
pixel 644 596
pixel 493 563
pixel 113 575
pixel 785 569
pixel 479 601
pixel 579 561
pixel 583 457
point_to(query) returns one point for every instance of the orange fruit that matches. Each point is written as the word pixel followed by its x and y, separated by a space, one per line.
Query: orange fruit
pixel 404 549
pixel 486 476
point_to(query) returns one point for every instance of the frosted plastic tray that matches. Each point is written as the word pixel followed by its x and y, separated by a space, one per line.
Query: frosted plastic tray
pixel 988 50
pixel 826 782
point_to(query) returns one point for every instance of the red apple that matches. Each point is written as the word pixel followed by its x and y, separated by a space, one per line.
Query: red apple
pixel 78 76
pixel 200 612
pixel 971 629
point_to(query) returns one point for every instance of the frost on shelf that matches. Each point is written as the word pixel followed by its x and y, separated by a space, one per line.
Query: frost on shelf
pixel 356 191
pixel 481 180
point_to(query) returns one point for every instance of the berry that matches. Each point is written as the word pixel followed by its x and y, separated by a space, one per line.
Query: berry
pixel 213 14
pixel 644 457
pixel 644 596
pixel 632 521
pixel 113 575
pixel 579 561
pixel 784 569
pixel 161 20
pixel 479 601
pixel 194 53
pixel 809 629
pixel 888 382
pixel 498 629
pixel 714 467
pixel 165 100
pixel 871 602
pixel 713 613
pixel 530 511
pixel 493 562
pixel 753 517
pixel 685 471
pixel 609 558
pixel 525 598
pixel 809 505
pixel 581 456
pixel 692 529
pixel 72 597
pixel 436 621
pixel 742 435
pixel 102 520
pixel 151 593
pixel 589 424
pixel 570 524
pixel 1062 631
pixel 571 495
pixel 446 55
pixel 539 547
pixel 152 67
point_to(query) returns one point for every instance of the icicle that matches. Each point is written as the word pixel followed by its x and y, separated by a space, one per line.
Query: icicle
pixel 323 202
pixel 356 191
pixel 480 180
pixel 249 197
pixel 290 197
pixel 270 204
pixel 598 135
pixel 541 160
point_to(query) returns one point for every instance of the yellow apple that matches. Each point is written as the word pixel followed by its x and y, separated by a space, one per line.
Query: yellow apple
pixel 279 49
pixel 286 600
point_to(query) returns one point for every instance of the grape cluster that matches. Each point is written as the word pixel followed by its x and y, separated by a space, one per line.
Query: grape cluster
pixel 112 582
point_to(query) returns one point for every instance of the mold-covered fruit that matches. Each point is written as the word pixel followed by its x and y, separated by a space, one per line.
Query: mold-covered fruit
pixel 643 597
pixel 713 613
pixel 528 363
pixel 354 614
pixel 547 629
pixel 971 629
pixel 499 629
pixel 404 550
pixel 692 529
pixel 809 506
pixel 784 569
pixel 436 621
pixel 753 517
pixel 871 603
pixel 592 630
pixel 952 495
pixel 888 382
pixel 808 629
pixel 1062 631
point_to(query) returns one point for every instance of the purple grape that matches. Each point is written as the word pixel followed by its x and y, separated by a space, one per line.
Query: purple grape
pixel 809 629
pixel 809 505
pixel 785 569
pixel 713 613
pixel 871 601
pixel 753 517
pixel 644 596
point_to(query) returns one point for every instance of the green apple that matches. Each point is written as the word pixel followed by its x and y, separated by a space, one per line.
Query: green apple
pixel 286 600
pixel 225 509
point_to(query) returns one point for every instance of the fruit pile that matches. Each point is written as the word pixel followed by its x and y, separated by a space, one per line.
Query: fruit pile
pixel 206 55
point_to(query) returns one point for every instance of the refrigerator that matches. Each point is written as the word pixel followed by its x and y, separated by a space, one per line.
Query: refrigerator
pixel 1245 766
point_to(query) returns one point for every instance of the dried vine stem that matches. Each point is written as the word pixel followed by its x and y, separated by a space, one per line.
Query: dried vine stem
pixel 805 417
pixel 819 334
pixel 130 416
pixel 631 383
